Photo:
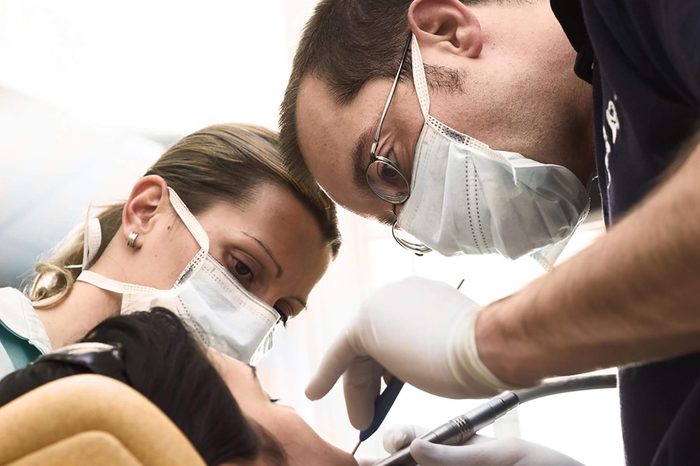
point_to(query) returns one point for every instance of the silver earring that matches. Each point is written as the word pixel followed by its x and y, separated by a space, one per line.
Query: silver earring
pixel 131 239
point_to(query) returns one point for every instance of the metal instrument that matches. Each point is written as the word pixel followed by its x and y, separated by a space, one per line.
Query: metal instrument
pixel 462 428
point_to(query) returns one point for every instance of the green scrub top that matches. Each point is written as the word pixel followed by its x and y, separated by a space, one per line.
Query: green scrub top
pixel 20 351
pixel 22 334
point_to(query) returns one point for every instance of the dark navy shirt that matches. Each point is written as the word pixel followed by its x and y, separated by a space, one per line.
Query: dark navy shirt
pixel 643 59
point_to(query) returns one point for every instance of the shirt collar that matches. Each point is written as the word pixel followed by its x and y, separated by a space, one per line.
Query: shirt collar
pixel 19 316
pixel 570 16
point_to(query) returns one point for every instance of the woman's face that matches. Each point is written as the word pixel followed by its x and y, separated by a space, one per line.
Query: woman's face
pixel 301 444
pixel 272 245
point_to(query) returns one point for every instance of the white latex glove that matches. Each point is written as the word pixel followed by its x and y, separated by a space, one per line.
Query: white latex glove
pixel 419 330
pixel 366 461
pixel 479 451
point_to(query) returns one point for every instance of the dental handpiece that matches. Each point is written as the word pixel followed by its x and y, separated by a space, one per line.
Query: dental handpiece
pixel 460 429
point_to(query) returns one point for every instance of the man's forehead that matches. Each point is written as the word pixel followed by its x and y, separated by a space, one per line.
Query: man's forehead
pixel 329 135
pixel 321 121
pixel 327 131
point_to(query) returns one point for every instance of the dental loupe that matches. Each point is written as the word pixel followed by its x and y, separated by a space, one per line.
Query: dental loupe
pixel 462 428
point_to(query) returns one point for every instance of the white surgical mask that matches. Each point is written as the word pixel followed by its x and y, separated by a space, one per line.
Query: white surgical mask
pixel 209 300
pixel 468 198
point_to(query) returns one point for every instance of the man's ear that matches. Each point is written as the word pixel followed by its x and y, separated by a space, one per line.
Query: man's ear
pixel 446 24
pixel 148 197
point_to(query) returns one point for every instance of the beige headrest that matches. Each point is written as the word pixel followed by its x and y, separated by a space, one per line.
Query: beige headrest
pixel 114 413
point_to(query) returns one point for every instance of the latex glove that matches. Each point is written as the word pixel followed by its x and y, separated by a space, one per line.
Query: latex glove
pixel 366 461
pixel 479 451
pixel 420 330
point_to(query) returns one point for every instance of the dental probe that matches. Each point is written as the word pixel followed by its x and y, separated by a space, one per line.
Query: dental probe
pixel 381 408
pixel 383 404
pixel 462 428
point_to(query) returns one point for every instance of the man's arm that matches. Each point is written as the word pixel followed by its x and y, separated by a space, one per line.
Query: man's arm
pixel 634 295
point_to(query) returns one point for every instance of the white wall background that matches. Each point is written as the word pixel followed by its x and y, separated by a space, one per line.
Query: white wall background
pixel 84 84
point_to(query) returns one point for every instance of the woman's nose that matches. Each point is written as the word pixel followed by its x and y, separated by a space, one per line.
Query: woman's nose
pixel 268 295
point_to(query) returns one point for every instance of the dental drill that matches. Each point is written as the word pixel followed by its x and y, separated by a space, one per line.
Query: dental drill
pixel 462 428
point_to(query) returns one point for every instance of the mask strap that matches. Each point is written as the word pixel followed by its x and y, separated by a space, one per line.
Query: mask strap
pixel 189 220
pixel 419 80
pixel 115 286
pixel 92 239
pixel 421 85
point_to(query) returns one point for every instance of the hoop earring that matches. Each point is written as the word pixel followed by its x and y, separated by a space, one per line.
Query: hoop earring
pixel 131 239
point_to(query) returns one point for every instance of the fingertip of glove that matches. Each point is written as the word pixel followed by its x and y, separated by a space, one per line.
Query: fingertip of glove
pixel 360 421
pixel 395 440
pixel 312 392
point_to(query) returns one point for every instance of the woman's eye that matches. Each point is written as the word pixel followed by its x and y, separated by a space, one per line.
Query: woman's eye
pixel 241 270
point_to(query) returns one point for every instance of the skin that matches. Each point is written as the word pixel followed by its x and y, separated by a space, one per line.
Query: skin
pixel 301 444
pixel 632 296
pixel 271 245
pixel 547 121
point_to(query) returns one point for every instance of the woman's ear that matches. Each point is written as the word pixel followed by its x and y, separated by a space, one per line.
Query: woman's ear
pixel 446 24
pixel 148 197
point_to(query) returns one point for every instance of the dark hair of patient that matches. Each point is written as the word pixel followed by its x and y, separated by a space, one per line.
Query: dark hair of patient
pixel 167 365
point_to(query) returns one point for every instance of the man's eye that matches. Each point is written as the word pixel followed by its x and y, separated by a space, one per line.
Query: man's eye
pixel 387 172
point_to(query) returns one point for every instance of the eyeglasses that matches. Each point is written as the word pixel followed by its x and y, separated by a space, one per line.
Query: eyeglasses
pixel 383 175
pixel 98 358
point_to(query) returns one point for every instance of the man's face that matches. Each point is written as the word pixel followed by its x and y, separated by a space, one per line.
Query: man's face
pixel 336 140
pixel 510 99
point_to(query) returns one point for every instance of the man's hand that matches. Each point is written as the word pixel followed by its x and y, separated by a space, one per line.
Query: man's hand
pixel 419 330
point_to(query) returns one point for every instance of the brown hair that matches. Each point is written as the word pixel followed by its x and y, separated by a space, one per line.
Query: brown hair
pixel 218 163
pixel 347 43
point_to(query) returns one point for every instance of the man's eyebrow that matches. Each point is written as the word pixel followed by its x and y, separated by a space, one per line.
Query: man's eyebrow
pixel 279 269
pixel 360 157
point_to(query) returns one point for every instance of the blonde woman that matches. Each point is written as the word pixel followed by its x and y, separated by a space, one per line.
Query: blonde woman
pixel 219 230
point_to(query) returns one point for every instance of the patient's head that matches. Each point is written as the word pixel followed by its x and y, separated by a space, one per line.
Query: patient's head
pixel 163 362
pixel 216 401
pixel 301 445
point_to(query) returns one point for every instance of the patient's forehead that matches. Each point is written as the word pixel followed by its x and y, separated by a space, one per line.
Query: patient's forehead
pixel 239 377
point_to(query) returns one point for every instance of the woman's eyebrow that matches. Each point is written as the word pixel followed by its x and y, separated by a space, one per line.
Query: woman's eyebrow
pixel 279 269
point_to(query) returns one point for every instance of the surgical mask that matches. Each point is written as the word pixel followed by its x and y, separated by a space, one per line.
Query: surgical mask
pixel 468 198
pixel 207 298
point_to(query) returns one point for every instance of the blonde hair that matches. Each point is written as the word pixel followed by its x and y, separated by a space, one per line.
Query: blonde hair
pixel 218 163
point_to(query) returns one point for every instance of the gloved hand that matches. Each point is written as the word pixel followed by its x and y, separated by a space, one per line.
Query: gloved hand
pixel 419 330
pixel 479 451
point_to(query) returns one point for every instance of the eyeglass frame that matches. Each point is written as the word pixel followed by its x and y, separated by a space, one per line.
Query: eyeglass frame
pixel 418 248
pixel 373 157
pixel 97 357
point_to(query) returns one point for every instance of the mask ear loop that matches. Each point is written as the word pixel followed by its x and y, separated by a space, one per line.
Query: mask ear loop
pixel 196 229
pixel 189 220
pixel 419 80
